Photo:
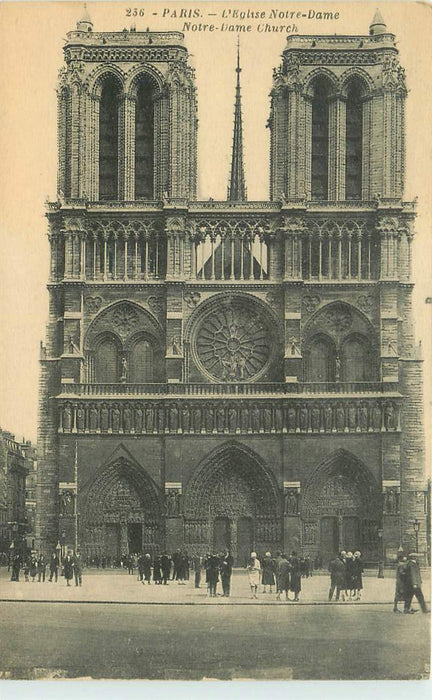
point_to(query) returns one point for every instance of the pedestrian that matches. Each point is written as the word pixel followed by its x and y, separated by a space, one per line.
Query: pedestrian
pixel 414 582
pixel 268 578
pixel 26 569
pixel 157 574
pixel 16 565
pixel 283 576
pixel 130 563
pixel 41 568
pixel 166 568
pixel 141 567
pixel 212 574
pixel 197 566
pixel 226 573
pixel 337 577
pixel 175 559
pixel 357 574
pixel 33 567
pixel 53 566
pixel 254 571
pixel 147 569
pixel 295 582
pixel 78 567
pixel 181 568
pixel 68 567
pixel 277 560
pixel 349 575
pixel 401 592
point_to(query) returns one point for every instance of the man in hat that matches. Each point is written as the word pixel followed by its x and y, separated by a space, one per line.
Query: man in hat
pixel 337 576
pixel 400 588
pixel 413 584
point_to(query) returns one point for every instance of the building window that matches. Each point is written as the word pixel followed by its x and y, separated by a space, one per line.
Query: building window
pixel 107 362
pixel 320 140
pixel 354 137
pixel 356 364
pixel 144 141
pixel 141 362
pixel 108 140
pixel 321 360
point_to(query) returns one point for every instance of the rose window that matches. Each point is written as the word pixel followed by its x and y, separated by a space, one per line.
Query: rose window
pixel 233 342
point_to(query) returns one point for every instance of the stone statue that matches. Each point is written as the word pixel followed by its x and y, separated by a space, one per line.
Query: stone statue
pixel 255 419
pixel 67 418
pixel 67 503
pixel 93 418
pixel 124 368
pixel 149 414
pixel 197 420
pixel 328 418
pixel 138 417
pixel 80 419
pixel 104 418
pixel 220 419
pixel 232 419
pixel 244 419
pixel 173 419
pixel 391 501
pixel 209 419
pixel 115 419
pixel 363 418
pixel 185 419
pixel 175 347
pixel 267 419
pixel 290 502
pixel 126 419
pixel 389 417
pixel 161 419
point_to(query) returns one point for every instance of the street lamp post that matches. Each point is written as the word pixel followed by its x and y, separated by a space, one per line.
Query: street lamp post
pixel 380 553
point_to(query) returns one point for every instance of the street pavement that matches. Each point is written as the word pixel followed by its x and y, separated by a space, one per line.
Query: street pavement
pixel 155 632
pixel 115 585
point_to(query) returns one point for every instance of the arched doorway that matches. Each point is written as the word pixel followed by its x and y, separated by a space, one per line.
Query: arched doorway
pixel 341 509
pixel 233 503
pixel 121 513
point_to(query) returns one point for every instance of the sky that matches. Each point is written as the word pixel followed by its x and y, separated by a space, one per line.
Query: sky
pixel 31 40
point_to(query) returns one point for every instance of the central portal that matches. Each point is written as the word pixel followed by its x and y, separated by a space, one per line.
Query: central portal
pixel 233 504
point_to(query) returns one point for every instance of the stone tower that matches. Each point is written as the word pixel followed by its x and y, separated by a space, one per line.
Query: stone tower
pixel 233 374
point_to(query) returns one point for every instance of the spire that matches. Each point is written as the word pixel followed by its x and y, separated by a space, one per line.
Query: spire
pixel 84 23
pixel 237 187
pixel 377 26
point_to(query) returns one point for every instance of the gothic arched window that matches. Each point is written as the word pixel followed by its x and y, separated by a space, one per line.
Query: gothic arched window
pixel 108 140
pixel 144 141
pixel 320 140
pixel 141 362
pixel 356 360
pixel 354 137
pixel 321 360
pixel 106 361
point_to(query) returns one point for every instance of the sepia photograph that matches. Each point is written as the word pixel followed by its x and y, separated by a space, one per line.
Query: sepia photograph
pixel 216 341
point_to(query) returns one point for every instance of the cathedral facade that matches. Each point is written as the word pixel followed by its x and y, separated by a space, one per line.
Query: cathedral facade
pixel 237 374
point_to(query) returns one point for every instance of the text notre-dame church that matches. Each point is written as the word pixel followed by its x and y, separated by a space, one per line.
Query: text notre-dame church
pixel 236 373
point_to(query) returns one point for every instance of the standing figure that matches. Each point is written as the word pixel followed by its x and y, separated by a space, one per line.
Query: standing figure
pixel 401 582
pixel 283 575
pixel 41 568
pixel 268 578
pixel 68 567
pixel 357 571
pixel 295 583
pixel 337 577
pixel 53 567
pixel 197 566
pixel 147 569
pixel 140 567
pixel 157 573
pixel 33 567
pixel 78 567
pixel 212 571
pixel 16 565
pixel 226 573
pixel 414 582
pixel 166 568
pixel 349 576
pixel 254 571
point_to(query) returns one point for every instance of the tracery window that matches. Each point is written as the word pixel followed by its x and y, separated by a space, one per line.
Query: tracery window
pixel 108 140
pixel 141 362
pixel 356 361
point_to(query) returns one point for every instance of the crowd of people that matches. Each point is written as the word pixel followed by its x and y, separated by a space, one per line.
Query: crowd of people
pixel 35 567
pixel 346 576
pixel 279 573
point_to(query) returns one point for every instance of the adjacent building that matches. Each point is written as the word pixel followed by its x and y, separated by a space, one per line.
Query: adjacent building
pixel 234 373
pixel 13 473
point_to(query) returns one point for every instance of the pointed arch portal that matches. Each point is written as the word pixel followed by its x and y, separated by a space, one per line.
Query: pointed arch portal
pixel 233 502
pixel 340 509
pixel 122 512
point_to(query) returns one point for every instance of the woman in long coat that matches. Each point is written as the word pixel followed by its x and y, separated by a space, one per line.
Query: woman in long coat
pixel 68 568
pixel 357 571
pixel 350 586
pixel 212 574
pixel 295 583
pixel 268 578
pixel 33 567
pixel 254 571
pixel 283 574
